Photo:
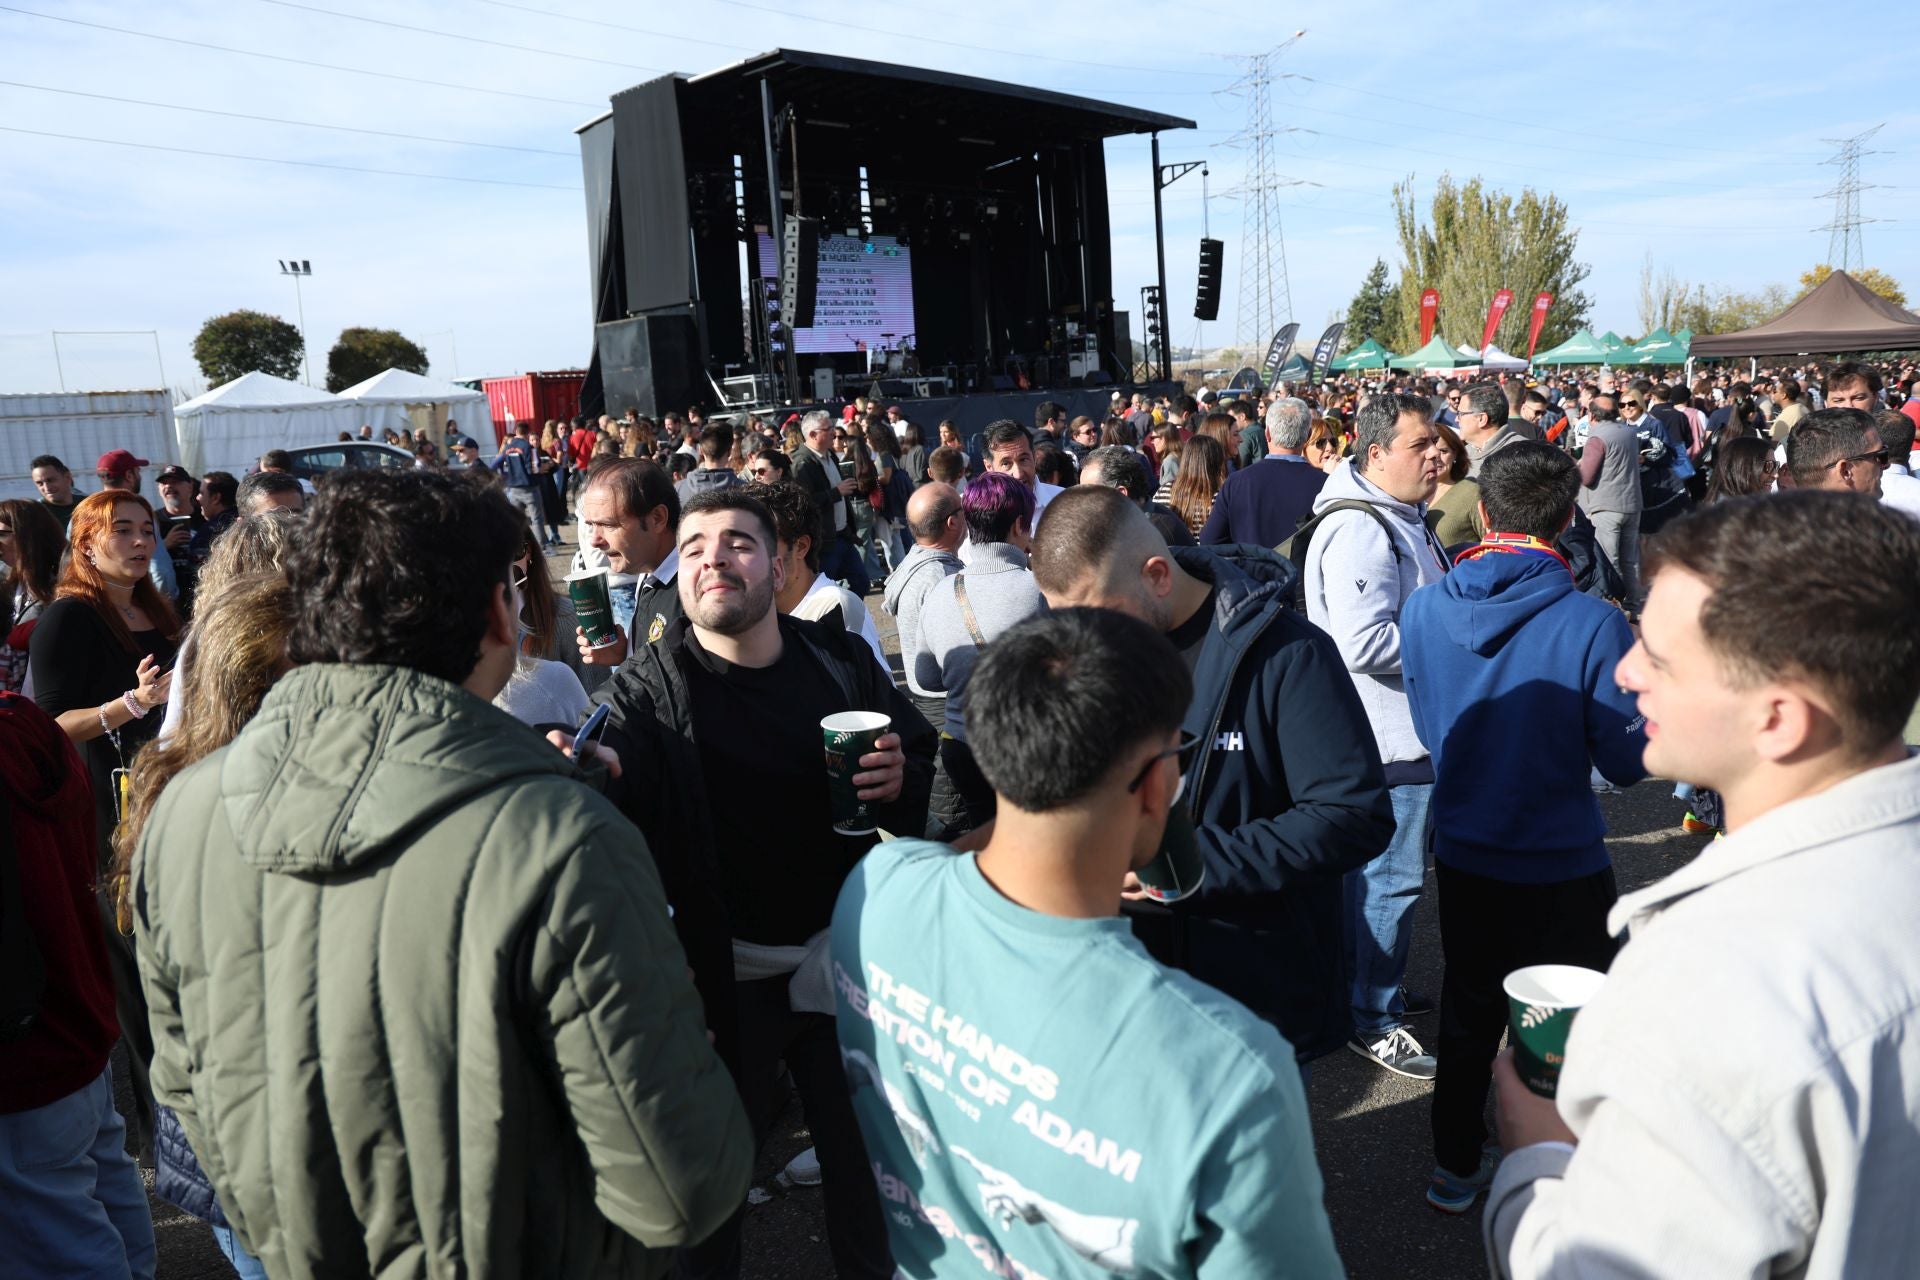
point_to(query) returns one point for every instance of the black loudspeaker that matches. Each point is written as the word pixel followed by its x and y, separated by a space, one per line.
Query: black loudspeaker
pixel 1206 303
pixel 651 363
pixel 799 272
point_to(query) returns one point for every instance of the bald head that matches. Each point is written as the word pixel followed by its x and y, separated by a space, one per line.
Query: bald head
pixel 936 516
pixel 1097 549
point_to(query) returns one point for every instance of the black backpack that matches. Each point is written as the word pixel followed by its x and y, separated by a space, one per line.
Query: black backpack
pixel 1294 549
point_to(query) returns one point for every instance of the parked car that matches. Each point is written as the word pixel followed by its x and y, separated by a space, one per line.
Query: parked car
pixel 314 461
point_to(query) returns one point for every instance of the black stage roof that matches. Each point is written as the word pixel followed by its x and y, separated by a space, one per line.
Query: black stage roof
pixel 867 96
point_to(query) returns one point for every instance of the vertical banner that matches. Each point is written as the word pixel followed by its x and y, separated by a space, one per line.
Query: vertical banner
pixel 1277 353
pixel 1324 349
pixel 1502 299
pixel 1541 305
pixel 1429 311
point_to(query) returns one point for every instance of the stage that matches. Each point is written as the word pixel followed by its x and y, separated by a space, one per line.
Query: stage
pixel 793 220
pixel 970 414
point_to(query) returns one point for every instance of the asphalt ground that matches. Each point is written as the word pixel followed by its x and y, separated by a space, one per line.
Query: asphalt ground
pixel 1370 1126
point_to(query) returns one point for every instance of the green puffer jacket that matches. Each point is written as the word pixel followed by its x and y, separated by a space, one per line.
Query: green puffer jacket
pixel 417 1000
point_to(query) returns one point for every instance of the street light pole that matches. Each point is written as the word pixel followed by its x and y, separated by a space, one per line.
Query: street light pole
pixel 298 267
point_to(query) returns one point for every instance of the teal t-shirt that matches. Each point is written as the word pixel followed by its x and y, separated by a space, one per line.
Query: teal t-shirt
pixel 1041 1098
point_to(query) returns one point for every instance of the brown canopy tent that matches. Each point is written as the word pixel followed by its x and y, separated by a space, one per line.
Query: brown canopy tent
pixel 1841 314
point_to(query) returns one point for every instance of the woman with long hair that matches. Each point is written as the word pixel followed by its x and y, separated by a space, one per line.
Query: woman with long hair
pixel 1222 428
pixel 950 439
pixel 1203 469
pixel 1162 447
pixel 1324 445
pixel 542 691
pixel 31 544
pixel 857 460
pixel 913 454
pixel 1743 466
pixel 885 447
pixel 100 660
pixel 241 632
pixel 1453 512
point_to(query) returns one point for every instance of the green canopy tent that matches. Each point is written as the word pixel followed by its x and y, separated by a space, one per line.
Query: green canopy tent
pixel 1368 355
pixel 1435 355
pixel 1616 347
pixel 1658 347
pixel 1581 348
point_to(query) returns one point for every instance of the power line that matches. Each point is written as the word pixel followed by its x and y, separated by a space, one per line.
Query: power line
pixel 456 35
pixel 303 124
pixel 1845 247
pixel 616 26
pixel 298 62
pixel 301 164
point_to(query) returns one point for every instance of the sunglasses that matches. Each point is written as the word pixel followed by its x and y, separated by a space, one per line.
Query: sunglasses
pixel 1182 749
pixel 1879 458
pixel 1629 404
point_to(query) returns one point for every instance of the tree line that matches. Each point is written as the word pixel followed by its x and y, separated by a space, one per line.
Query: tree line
pixel 239 342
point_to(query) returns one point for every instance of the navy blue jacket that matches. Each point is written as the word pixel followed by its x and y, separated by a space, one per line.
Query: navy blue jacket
pixel 177 1176
pixel 1262 505
pixel 1509 674
pixel 1286 794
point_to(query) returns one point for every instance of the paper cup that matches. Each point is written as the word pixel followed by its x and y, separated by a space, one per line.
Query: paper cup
pixel 593 606
pixel 848 736
pixel 1542 1000
pixel 1177 869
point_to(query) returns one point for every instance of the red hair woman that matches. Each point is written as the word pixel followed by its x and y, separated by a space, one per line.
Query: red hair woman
pixel 101 659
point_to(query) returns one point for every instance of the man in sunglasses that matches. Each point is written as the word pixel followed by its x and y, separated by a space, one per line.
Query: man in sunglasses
pixel 1836 449
pixel 1663 489
pixel 1037 1094
pixel 1286 791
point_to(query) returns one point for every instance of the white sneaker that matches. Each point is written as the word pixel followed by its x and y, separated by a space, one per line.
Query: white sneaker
pixel 804 1169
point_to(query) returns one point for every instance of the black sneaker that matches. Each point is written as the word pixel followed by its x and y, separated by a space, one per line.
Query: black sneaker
pixel 1397 1051
pixel 1415 1005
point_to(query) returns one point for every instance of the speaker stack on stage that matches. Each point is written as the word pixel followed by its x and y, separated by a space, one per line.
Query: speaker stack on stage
pixel 799 272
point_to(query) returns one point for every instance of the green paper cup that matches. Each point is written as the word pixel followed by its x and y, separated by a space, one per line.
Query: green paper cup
pixel 1177 869
pixel 848 736
pixel 593 606
pixel 1542 1000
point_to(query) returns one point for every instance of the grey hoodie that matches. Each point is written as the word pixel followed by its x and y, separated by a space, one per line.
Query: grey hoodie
pixel 906 591
pixel 1003 595
pixel 1356 587
pixel 706 480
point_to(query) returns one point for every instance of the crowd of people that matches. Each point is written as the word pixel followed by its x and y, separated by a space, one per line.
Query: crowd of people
pixel 415 976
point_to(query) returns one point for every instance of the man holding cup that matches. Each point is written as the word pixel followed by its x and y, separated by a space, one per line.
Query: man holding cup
pixel 1744 1087
pixel 725 767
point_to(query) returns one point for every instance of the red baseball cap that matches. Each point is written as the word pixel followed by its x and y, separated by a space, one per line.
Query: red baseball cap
pixel 117 462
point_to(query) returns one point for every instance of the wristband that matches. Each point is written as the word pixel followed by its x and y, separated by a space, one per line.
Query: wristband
pixel 102 711
pixel 133 705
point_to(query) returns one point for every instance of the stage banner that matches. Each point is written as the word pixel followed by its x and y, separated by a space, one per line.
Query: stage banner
pixel 1277 353
pixel 1429 311
pixel 1501 301
pixel 1542 304
pixel 1324 349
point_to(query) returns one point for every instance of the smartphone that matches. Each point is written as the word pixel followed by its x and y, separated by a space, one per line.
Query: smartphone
pixel 591 730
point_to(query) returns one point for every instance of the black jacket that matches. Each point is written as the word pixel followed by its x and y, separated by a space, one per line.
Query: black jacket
pixel 663 791
pixel 811 474
pixel 1287 795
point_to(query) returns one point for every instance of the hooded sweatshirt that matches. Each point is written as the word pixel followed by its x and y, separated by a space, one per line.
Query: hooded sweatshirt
pixel 46 807
pixel 1356 586
pixel 706 480
pixel 416 996
pixel 906 590
pixel 1509 676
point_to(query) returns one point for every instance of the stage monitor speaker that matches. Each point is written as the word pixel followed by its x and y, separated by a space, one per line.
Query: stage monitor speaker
pixel 1206 304
pixel 650 363
pixel 799 272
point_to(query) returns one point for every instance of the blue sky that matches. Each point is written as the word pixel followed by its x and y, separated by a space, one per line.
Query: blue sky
pixel 1690 132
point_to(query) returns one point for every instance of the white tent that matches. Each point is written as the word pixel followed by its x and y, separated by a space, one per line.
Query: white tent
pixel 229 427
pixel 1500 361
pixel 411 402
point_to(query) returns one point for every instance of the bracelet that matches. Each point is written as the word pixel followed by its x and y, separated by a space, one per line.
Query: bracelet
pixel 133 705
pixel 102 710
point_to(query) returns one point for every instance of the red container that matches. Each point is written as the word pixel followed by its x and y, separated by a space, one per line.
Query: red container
pixel 533 398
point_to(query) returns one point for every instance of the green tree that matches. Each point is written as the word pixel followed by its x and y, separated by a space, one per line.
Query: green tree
pixel 1476 241
pixel 242 341
pixel 1722 310
pixel 1872 277
pixel 1373 309
pixel 362 353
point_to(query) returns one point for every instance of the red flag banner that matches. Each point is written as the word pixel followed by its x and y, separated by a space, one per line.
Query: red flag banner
pixel 1429 311
pixel 1501 301
pixel 1541 305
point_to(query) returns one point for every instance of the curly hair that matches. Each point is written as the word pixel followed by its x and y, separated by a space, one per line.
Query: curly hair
pixel 401 568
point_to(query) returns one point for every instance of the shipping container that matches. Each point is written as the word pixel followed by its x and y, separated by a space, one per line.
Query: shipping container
pixel 77 427
pixel 534 398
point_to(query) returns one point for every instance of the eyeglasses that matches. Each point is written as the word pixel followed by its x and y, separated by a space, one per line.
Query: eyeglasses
pixel 1629 404
pixel 1879 458
pixel 1184 750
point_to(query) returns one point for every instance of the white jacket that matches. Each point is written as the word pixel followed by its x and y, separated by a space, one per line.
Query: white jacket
pixel 1356 585
pixel 1746 1087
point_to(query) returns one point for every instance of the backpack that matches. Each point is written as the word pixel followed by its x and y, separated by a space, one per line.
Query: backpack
pixel 899 492
pixel 1294 549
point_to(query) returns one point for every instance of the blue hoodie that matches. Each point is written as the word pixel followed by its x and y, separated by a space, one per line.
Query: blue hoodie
pixel 1509 675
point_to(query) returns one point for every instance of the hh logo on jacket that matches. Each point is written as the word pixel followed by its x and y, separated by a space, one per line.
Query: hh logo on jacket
pixel 1230 742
